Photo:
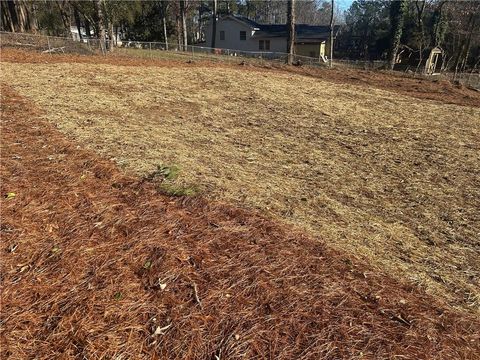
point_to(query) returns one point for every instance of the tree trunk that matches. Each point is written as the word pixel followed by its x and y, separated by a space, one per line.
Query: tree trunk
pixel 421 44
pixel 214 23
pixel 21 15
pixel 183 19
pixel 110 36
pixel 8 22
pixel 199 36
pixel 76 15
pixel 397 16
pixel 164 9
pixel 178 28
pixel 439 24
pixel 64 7
pixel 32 18
pixel 165 36
pixel 116 35
pixel 462 50
pixel 12 11
pixel 290 31
pixel 87 28
pixel 100 25
pixel 465 50
pixel 331 36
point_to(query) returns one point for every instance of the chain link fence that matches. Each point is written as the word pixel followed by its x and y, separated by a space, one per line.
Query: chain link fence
pixel 152 50
pixel 164 51
pixel 49 44
pixel 470 79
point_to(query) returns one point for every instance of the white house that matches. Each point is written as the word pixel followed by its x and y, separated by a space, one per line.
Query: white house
pixel 75 35
pixel 240 33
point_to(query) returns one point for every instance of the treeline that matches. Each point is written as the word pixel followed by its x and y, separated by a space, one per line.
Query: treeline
pixel 182 21
pixel 408 30
pixel 373 30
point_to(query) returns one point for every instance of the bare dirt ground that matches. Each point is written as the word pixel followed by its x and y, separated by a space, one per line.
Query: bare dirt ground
pixel 97 264
pixel 388 177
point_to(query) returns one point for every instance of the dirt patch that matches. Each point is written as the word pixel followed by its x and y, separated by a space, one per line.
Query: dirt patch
pixel 439 90
pixel 96 264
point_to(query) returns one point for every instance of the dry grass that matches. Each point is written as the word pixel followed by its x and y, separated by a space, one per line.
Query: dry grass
pixel 97 265
pixel 385 176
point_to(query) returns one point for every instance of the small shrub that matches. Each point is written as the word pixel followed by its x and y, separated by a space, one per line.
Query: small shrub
pixel 165 176
pixel 164 172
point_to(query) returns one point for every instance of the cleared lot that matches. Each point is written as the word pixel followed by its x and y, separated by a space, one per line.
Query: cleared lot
pixel 97 264
pixel 385 176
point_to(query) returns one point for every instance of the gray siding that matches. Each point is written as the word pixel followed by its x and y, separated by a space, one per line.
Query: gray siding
pixel 232 40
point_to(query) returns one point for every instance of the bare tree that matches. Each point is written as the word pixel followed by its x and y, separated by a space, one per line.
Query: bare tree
pixel 164 10
pixel 214 23
pixel 331 34
pixel 290 31
pixel 439 23
pixel 76 16
pixel 64 7
pixel 18 15
pixel 471 12
pixel 420 7
pixel 22 15
pixel 111 36
pixel 100 24
pixel 397 16
pixel 9 16
pixel 183 21
pixel 32 16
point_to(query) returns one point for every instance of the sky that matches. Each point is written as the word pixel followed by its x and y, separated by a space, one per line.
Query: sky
pixel 344 4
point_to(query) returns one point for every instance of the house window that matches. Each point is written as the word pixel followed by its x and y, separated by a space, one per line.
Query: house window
pixel 222 35
pixel 264 44
pixel 243 35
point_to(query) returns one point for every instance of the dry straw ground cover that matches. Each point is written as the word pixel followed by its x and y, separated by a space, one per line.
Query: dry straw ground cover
pixel 99 265
pixel 385 176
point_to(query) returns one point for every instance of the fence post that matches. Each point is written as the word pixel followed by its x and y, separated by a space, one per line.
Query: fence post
pixel 150 45
pixel 48 42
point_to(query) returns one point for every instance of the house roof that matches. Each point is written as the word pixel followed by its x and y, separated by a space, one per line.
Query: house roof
pixel 302 31
pixel 246 20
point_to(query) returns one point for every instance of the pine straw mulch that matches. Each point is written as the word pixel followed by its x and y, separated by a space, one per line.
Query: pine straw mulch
pixel 440 90
pixel 96 264
pixel 436 88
